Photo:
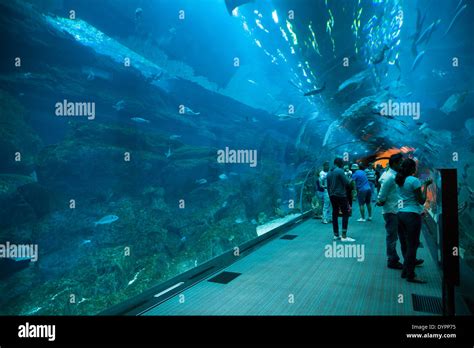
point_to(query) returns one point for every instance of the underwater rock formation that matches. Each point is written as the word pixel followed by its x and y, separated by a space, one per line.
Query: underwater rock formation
pixel 18 142
pixel 22 200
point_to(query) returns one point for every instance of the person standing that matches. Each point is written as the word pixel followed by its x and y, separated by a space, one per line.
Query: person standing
pixel 337 184
pixel 370 173
pixel 347 172
pixel 388 199
pixel 363 192
pixel 412 197
pixel 378 174
pixel 325 196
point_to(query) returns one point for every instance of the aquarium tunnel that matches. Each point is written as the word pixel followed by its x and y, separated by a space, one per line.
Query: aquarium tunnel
pixel 191 157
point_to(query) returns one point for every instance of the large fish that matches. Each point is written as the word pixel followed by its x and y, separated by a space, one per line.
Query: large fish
pixel 419 25
pixel 357 79
pixel 419 20
pixel 469 124
pixel 454 19
pixel 426 35
pixel 453 103
pixel 379 57
pixel 417 60
pixel 233 4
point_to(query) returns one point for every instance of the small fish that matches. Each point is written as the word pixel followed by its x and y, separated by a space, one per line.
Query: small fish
pixel 82 300
pixel 168 153
pixel 316 91
pixel 370 124
pixel 253 222
pixel 106 220
pixel 201 181
pixel 223 177
pixel 183 239
pixel 27 75
pixel 254 120
pixel 283 117
pixel 56 295
pixel 454 19
pixel 34 310
pixel 417 60
pixel 135 277
pixel 189 111
pixel 252 82
pixel 239 220
pixel 175 136
pixel 224 204
pixel 139 120
pixel 86 241
pixel 119 105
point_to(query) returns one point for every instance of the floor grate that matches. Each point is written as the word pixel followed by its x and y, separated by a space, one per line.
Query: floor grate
pixel 224 277
pixel 428 304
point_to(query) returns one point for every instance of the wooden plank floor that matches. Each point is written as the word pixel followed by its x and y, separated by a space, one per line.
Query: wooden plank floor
pixel 298 269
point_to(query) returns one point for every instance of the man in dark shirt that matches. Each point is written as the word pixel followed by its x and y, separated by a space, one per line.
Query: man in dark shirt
pixel 337 188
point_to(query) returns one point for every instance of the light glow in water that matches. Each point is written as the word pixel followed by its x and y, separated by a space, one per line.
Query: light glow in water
pixel 292 33
pixel 275 16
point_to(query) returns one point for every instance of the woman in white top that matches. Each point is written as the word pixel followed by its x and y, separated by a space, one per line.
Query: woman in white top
pixel 413 196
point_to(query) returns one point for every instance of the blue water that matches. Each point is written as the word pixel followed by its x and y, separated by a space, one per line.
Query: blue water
pixel 121 108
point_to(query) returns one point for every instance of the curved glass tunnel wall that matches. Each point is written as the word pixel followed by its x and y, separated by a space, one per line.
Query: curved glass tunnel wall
pixel 142 184
pixel 131 193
